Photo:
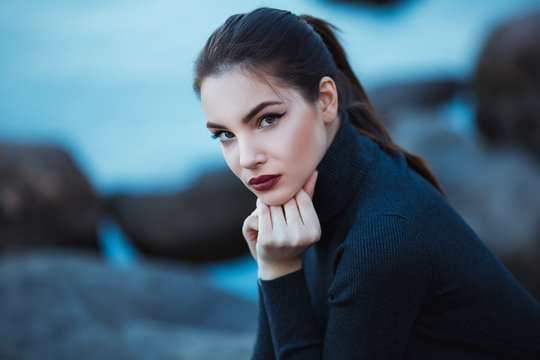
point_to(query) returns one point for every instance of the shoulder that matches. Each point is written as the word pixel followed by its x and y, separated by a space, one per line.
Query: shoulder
pixel 388 236
pixel 396 195
pixel 391 186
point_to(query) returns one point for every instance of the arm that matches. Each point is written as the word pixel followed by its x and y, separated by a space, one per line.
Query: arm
pixel 297 227
pixel 264 348
pixel 382 276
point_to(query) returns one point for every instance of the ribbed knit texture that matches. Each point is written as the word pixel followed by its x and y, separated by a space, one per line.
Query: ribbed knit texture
pixel 397 274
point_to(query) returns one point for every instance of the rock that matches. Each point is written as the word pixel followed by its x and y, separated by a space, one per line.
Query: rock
pixel 71 305
pixel 202 223
pixel 507 84
pixel 496 190
pixel 390 99
pixel 44 199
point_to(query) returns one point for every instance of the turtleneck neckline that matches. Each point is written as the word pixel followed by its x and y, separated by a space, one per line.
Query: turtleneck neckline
pixel 341 171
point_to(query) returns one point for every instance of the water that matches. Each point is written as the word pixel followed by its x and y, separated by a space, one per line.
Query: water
pixel 111 80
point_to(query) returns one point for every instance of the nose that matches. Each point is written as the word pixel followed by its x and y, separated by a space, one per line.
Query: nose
pixel 251 155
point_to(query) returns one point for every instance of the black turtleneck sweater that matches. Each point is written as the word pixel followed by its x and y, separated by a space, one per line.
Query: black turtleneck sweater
pixel 396 274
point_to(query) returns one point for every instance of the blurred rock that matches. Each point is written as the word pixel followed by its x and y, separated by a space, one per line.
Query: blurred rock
pixel 44 199
pixel 203 223
pixel 390 99
pixel 496 190
pixel 507 84
pixel 67 305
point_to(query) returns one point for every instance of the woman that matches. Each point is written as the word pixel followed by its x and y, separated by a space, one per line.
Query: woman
pixel 371 262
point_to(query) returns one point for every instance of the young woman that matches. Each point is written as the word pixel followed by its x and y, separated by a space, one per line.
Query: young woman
pixel 359 254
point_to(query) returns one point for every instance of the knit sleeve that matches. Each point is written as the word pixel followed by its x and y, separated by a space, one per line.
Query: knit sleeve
pixel 382 275
pixel 264 349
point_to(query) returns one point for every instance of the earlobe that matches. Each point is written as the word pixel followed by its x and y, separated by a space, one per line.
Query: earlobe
pixel 328 99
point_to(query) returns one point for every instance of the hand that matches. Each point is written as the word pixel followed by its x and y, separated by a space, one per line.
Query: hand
pixel 278 236
pixel 250 227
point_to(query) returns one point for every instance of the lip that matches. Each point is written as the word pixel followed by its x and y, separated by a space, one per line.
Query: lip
pixel 264 182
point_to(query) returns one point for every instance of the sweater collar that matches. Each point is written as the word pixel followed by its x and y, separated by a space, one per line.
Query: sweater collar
pixel 342 170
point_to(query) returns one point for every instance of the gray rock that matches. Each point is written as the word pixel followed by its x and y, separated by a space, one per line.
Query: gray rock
pixel 44 199
pixel 390 99
pixel 67 305
pixel 202 223
pixel 507 84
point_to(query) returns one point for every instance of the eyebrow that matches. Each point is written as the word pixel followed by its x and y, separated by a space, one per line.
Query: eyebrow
pixel 249 116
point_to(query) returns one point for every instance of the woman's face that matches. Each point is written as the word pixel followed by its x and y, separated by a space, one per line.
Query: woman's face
pixel 271 137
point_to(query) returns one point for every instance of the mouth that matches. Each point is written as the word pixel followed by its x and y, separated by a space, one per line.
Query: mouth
pixel 264 182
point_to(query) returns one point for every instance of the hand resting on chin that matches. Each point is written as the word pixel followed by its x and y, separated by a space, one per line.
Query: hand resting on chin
pixel 278 236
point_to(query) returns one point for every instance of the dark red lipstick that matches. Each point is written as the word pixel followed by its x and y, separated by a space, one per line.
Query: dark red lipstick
pixel 264 182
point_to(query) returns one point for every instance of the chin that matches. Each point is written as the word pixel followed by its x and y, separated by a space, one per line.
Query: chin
pixel 276 197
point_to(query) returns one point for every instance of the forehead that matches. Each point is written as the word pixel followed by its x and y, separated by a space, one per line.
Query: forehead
pixel 233 93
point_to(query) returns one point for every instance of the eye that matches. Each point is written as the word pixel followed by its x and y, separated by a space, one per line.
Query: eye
pixel 223 136
pixel 269 120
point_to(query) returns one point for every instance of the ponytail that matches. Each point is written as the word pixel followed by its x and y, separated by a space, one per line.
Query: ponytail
pixel 354 102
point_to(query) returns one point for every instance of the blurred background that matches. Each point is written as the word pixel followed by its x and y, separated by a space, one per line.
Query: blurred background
pixel 119 224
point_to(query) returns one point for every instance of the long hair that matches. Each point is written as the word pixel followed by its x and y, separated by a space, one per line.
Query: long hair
pixel 298 51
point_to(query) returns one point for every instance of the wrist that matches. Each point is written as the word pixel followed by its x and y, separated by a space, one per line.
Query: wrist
pixel 271 271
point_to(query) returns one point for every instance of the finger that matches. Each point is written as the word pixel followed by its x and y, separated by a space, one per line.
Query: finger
pixel 306 209
pixel 309 186
pixel 278 217
pixel 251 223
pixel 253 219
pixel 265 220
pixel 292 214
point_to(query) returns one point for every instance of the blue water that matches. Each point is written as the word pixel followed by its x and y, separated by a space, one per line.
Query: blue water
pixel 111 80
pixel 115 245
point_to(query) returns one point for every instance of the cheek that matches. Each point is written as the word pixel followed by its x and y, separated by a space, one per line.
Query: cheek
pixel 307 143
pixel 231 156
pixel 304 144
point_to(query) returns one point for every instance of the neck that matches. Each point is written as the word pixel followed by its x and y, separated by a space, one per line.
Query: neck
pixel 346 162
pixel 332 129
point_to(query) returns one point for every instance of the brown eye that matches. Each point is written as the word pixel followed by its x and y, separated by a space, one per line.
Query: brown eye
pixel 223 136
pixel 268 120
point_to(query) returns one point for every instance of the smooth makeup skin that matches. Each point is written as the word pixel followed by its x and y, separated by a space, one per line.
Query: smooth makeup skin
pixel 269 132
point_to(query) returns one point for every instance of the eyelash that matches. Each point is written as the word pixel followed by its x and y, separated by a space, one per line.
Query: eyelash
pixel 217 134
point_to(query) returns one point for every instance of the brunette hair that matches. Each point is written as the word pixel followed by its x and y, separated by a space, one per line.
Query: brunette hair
pixel 297 51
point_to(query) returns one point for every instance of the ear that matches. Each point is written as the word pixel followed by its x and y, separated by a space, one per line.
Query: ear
pixel 328 99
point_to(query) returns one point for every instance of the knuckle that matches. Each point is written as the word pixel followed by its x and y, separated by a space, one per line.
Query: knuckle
pixel 304 200
pixel 281 241
pixel 316 231
pixel 313 234
pixel 296 235
pixel 263 242
pixel 248 225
